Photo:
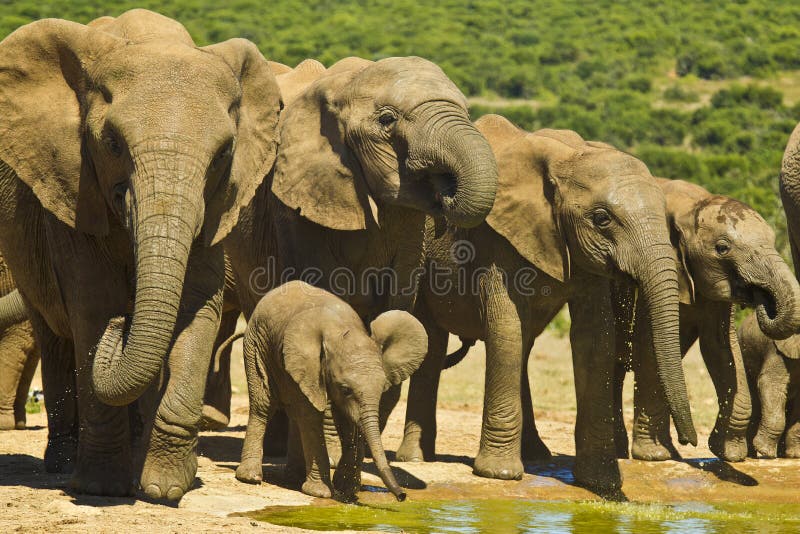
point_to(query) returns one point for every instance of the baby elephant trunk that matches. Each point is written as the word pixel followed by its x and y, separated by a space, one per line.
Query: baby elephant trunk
pixel 372 435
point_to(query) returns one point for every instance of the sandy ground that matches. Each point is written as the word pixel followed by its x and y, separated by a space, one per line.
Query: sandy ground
pixel 32 500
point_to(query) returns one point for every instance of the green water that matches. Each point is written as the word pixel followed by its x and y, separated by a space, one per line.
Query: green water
pixel 479 516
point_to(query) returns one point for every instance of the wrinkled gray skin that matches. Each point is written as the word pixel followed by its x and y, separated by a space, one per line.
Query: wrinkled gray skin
pixel 303 347
pixel 366 151
pixel 19 355
pixel 773 374
pixel 125 155
pixel 727 256
pixel 569 218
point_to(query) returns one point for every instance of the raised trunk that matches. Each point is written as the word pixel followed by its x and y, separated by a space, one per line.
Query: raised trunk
pixel 164 209
pixel 777 298
pixel 462 156
pixel 658 281
pixel 372 435
pixel 12 310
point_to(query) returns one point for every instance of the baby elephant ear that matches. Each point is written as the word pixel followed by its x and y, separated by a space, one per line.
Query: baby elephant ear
pixel 302 358
pixel 789 347
pixel 403 341
pixel 256 136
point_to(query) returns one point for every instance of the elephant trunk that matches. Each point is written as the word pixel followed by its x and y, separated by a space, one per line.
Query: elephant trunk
pixel 165 210
pixel 12 310
pixel 465 170
pixel 776 296
pixel 372 435
pixel 658 281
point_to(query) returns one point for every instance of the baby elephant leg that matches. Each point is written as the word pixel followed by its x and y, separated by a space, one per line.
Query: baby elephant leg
pixel 773 384
pixel 318 468
pixel 262 408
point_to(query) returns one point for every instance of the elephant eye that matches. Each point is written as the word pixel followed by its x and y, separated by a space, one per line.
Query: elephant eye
pixel 224 154
pixel 601 218
pixel 386 118
pixel 722 248
pixel 346 390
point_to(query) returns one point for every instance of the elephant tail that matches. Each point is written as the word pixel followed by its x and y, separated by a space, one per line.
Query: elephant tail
pixel 224 345
pixel 454 358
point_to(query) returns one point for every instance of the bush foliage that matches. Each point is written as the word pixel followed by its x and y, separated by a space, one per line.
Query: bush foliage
pixel 590 66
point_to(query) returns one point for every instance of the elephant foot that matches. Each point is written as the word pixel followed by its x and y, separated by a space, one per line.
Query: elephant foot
pixel 316 488
pixel 651 451
pixel 101 475
pixel 792 451
pixel 9 422
pixel 500 467
pixel 213 419
pixel 347 482
pixel 601 475
pixel 250 471
pixel 60 455
pixel 732 449
pixel 170 467
pixel 410 450
pixel 535 451
pixel 765 446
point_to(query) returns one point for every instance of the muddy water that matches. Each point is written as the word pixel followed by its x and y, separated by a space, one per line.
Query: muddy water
pixel 490 515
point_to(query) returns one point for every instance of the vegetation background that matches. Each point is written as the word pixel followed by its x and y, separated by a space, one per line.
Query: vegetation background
pixel 706 91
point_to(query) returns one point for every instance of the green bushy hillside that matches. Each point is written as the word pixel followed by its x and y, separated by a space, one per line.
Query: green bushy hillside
pixel 706 91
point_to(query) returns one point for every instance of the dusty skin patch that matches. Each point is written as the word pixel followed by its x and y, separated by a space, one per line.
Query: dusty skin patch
pixel 32 500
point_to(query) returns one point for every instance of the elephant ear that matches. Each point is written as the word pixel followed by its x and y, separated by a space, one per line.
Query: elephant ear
pixel 524 210
pixel 316 172
pixel 403 341
pixel 789 347
pixel 302 357
pixel 256 137
pixel 42 86
pixel 297 80
pixel 681 219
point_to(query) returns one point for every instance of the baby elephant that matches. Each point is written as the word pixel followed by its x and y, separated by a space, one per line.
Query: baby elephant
pixel 773 373
pixel 303 346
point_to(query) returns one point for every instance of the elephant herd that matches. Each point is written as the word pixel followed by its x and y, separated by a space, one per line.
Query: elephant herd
pixel 152 190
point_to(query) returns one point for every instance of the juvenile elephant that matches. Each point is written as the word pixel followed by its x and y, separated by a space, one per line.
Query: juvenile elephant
pixel 304 345
pixel 19 355
pixel 126 153
pixel 569 218
pixel 727 256
pixel 773 374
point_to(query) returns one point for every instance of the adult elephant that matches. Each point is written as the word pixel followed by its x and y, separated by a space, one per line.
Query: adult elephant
pixel 727 256
pixel 790 193
pixel 570 217
pixel 119 176
pixel 19 355
pixel 366 151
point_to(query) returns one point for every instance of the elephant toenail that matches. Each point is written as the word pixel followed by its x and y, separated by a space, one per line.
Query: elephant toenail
pixel 174 493
pixel 153 491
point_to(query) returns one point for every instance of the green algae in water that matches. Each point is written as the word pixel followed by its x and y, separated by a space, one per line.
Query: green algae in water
pixel 476 516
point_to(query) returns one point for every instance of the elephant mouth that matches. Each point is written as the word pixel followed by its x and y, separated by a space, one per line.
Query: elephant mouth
pixel 753 296
pixel 444 187
pixel 432 192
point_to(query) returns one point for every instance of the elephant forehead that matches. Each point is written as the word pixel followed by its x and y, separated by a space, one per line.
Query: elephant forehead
pixel 740 221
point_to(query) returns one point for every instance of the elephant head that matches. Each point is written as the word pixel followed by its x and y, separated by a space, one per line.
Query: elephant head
pixel 125 122
pixel 566 204
pixel 393 132
pixel 727 251
pixel 324 356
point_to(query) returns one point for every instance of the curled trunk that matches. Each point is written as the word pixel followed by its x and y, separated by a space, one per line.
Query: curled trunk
pixel 463 156
pixel 372 435
pixel 12 310
pixel 164 223
pixel 658 280
pixel 777 298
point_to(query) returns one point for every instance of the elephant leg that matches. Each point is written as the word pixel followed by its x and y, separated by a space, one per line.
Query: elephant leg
pixel 533 448
pixel 792 433
pixel 620 432
pixel 651 417
pixel 594 357
pixel 499 455
pixel 17 365
pixel 719 346
pixel 250 470
pixel 217 397
pixel 60 396
pixel 347 477
pixel 773 387
pixel 277 436
pixel 171 462
pixel 295 470
pixel 419 435
pixel 318 470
